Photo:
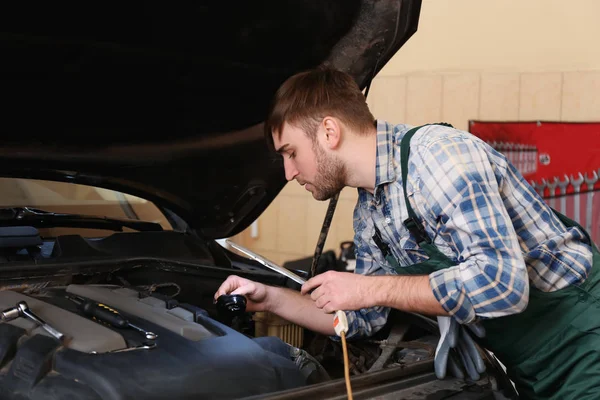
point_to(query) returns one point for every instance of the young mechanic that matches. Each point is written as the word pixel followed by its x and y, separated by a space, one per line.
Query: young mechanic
pixel 444 225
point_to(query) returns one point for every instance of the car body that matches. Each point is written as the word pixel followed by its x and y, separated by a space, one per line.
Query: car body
pixel 153 112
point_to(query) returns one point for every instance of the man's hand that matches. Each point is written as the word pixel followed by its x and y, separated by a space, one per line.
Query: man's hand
pixel 345 291
pixel 255 293
pixel 286 303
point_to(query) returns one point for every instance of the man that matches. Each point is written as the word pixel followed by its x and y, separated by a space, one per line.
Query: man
pixel 444 226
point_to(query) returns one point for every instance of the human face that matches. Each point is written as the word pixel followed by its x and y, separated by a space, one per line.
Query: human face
pixel 320 173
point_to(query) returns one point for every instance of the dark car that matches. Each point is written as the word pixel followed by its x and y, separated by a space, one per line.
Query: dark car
pixel 132 143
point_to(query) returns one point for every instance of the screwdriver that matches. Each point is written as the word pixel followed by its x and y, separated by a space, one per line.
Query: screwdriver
pixel 107 315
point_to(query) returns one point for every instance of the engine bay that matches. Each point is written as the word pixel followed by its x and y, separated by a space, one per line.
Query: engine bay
pixel 191 355
pixel 173 340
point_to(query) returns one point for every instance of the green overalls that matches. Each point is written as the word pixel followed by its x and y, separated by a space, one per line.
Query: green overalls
pixel 552 349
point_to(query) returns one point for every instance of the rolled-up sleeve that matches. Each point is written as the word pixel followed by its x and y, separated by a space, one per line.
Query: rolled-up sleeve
pixel 459 190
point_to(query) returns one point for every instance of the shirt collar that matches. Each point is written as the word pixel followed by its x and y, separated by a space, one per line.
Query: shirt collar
pixel 384 167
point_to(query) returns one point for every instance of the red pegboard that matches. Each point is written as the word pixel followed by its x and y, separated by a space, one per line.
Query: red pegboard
pixel 561 147
pixel 555 157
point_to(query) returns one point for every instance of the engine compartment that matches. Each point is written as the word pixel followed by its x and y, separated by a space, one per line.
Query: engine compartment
pixel 164 283
pixel 194 356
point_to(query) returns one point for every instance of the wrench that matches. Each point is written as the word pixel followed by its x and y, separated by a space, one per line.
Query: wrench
pixel 522 167
pixel 543 187
pixel 141 347
pixel 552 186
pixel 577 194
pixel 562 185
pixel 590 181
pixel 538 187
pixel 526 164
pixel 534 158
pixel 510 151
pixel 22 310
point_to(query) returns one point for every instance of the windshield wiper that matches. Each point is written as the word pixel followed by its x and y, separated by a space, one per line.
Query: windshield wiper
pixel 20 216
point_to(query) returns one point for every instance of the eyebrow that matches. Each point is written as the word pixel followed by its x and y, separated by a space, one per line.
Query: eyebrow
pixel 282 148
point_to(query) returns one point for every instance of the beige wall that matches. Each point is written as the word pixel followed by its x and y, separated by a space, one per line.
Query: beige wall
pixel 470 59
pixel 502 35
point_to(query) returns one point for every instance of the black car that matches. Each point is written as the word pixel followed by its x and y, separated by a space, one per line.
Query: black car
pixel 132 143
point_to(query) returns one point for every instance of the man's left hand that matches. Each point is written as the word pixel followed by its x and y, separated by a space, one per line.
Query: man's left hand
pixel 345 291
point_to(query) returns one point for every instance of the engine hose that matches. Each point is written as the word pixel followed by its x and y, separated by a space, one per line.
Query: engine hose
pixel 323 234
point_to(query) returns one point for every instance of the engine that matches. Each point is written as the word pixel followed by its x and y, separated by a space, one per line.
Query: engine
pixel 166 350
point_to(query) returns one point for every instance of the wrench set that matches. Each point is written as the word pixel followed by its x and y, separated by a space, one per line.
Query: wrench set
pixel 522 156
pixel 575 196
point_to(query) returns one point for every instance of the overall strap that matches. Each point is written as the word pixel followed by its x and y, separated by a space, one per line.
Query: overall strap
pixel 412 222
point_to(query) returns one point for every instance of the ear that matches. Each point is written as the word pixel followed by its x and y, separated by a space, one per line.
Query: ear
pixel 333 132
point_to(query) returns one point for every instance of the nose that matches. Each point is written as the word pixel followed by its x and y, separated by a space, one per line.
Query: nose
pixel 290 169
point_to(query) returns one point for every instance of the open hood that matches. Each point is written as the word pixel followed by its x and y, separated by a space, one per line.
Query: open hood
pixel 166 101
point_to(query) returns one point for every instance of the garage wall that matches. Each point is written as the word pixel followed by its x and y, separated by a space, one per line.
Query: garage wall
pixel 470 59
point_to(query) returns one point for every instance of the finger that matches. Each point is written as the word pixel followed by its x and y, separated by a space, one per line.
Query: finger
pixel 454 367
pixel 329 308
pixel 245 290
pixel 453 332
pixel 227 286
pixel 311 284
pixel 467 361
pixel 440 361
pixel 318 292
pixel 321 302
pixel 471 348
pixel 477 329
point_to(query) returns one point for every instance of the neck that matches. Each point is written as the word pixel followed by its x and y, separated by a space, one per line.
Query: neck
pixel 360 161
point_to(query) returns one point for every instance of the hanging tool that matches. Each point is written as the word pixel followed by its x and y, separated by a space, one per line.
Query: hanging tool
pixel 562 185
pixel 532 159
pixel 521 166
pixel 552 187
pixel 23 310
pixel 107 315
pixel 538 187
pixel 577 194
pixel 590 182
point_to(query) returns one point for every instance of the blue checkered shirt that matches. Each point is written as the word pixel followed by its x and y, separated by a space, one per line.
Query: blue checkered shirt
pixel 479 211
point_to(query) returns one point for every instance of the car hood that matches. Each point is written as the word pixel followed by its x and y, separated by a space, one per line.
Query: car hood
pixel 166 101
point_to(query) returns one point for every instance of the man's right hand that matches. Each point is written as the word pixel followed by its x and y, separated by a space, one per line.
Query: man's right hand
pixel 255 293
pixel 286 303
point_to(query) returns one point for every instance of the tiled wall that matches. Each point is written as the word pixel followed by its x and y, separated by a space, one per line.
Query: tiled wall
pixel 290 226
pixel 458 97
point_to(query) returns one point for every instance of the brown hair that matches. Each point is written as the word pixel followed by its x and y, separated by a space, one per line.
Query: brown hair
pixel 304 99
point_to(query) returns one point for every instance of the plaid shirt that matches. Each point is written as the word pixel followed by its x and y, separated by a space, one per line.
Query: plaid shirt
pixel 479 211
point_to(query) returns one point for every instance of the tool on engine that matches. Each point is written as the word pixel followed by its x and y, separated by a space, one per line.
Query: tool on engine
pixel 107 315
pixel 126 349
pixel 23 310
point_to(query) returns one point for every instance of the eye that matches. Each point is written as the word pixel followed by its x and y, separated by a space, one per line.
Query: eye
pixel 292 154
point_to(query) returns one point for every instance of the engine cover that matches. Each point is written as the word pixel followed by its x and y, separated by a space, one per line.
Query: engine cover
pixel 195 356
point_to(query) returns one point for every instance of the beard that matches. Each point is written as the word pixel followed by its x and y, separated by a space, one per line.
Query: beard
pixel 331 175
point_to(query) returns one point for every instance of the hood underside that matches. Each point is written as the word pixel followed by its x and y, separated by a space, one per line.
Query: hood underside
pixel 166 102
